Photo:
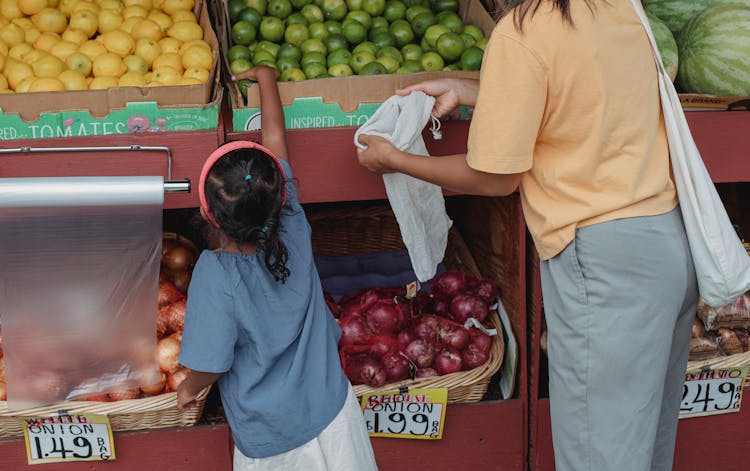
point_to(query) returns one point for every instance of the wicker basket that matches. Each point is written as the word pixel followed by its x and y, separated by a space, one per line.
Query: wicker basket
pixel 360 230
pixel 738 360
pixel 134 414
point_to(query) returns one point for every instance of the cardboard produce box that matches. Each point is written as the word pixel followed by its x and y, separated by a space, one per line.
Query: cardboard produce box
pixel 117 110
pixel 698 102
pixel 339 101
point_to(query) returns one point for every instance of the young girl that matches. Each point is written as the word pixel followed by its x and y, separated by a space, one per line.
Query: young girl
pixel 256 319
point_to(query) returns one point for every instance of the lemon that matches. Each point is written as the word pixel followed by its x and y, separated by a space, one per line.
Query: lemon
pixel 171 6
pixel 197 73
pixel 148 49
pixel 20 50
pixel 169 59
pixel 92 48
pixel 189 81
pixel 108 64
pixel 183 15
pixel 194 42
pixel 134 11
pixel 147 29
pixel 48 66
pixel 185 31
pixel 131 79
pixel 23 87
pixel 50 20
pixel 31 7
pixel 128 24
pixel 166 75
pixel 162 19
pixel 111 5
pixel 85 21
pixel 46 84
pixel 81 5
pixel 197 56
pixel 63 49
pixel 73 80
pixel 74 36
pixel 24 22
pixel 170 44
pixel 31 35
pixel 3 82
pixel 9 9
pixel 66 6
pixel 79 62
pixel 147 4
pixel 3 60
pixel 108 20
pixel 3 48
pixel 35 55
pixel 16 72
pixel 12 34
pixel 136 63
pixel 119 42
pixel 103 82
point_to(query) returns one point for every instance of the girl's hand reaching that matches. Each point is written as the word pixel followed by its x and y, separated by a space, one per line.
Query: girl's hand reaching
pixel 379 155
pixel 257 73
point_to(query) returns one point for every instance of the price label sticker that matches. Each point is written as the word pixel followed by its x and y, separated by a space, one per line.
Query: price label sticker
pixel 710 392
pixel 415 413
pixel 86 437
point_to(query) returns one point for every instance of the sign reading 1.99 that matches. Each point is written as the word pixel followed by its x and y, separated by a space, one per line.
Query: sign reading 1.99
pixel 416 413
pixel 68 438
pixel 712 392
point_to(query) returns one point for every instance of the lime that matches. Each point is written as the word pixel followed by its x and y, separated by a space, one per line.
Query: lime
pixel 314 70
pixel 328 75
pixel 353 31
pixel 409 66
pixel 401 31
pixel 471 58
pixel 300 4
pixel 251 15
pixel 261 55
pixel 334 9
pixel 312 57
pixel 243 84
pixel 339 56
pixel 292 75
pixel 289 51
pixel 412 52
pixel 390 51
pixel 383 38
pixel 269 63
pixel 361 16
pixel 452 67
pixel 313 13
pixel 360 59
pixel 268 46
pixel 340 70
pixel 422 21
pixel 394 10
pixel 243 33
pixel 333 27
pixel 413 11
pixel 373 68
pixel 373 7
pixel 451 20
pixel 313 45
pixel 234 7
pixel 481 43
pixel 272 28
pixel 444 5
pixel 425 47
pixel 296 34
pixel 279 8
pixel 354 4
pixel 450 46
pixel 475 31
pixel 365 46
pixel 334 42
pixel 379 23
pixel 238 51
pixel 296 18
pixel 286 63
pixel 411 3
pixel 260 5
pixel 318 31
pixel 434 32
pixel 431 61
pixel 390 64
pixel 468 39
pixel 238 66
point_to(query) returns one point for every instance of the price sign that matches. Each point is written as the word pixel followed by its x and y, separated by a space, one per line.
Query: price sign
pixel 415 413
pixel 710 392
pixel 68 438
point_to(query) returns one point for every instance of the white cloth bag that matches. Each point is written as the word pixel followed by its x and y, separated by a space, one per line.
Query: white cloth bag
pixel 721 263
pixel 419 206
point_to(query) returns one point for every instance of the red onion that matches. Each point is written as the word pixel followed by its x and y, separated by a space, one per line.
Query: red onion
pixel 473 356
pixel 465 305
pixel 373 373
pixel 427 328
pixel 426 373
pixel 383 317
pixel 448 360
pixel 421 352
pixel 405 337
pixel 441 305
pixel 486 290
pixel 354 330
pixel 351 309
pixel 480 339
pixel 382 344
pixel 420 304
pixel 396 366
pixel 449 283
pixel 352 358
pixel 454 336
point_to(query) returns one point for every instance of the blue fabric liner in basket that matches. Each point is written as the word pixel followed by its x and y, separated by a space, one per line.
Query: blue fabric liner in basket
pixel 345 274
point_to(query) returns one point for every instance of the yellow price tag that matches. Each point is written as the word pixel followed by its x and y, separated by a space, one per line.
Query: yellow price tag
pixel 84 437
pixel 406 413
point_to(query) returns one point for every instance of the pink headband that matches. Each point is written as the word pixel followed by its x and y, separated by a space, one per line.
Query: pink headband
pixel 221 152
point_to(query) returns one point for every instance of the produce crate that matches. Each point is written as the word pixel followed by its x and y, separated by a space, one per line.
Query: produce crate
pixel 134 414
pixel 344 231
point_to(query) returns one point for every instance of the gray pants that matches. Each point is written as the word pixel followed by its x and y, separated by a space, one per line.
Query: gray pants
pixel 619 302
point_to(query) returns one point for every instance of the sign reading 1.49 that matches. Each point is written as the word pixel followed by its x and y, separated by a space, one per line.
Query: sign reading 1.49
pixel 416 413
pixel 68 438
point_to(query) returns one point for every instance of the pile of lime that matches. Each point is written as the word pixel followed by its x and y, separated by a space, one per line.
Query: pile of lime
pixel 309 39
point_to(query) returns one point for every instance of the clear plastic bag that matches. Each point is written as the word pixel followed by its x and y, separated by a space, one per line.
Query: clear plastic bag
pixel 78 288
pixel 734 315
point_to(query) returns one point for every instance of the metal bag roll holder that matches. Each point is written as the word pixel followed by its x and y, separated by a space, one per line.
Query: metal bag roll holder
pixel 170 185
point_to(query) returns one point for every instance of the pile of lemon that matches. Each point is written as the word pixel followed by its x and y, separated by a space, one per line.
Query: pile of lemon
pixel 56 45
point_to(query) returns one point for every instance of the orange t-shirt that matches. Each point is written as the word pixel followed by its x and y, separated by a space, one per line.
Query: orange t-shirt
pixel 577 110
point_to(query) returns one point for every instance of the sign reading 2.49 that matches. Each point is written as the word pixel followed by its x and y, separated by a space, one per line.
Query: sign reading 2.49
pixel 416 413
pixel 710 392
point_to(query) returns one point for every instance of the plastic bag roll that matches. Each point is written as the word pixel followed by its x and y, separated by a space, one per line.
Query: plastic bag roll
pixel 78 288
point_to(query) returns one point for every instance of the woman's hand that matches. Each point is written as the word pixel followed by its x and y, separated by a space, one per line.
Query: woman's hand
pixel 378 157
pixel 448 93
pixel 257 73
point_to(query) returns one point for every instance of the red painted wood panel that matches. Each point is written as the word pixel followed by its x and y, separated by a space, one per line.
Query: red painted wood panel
pixel 721 137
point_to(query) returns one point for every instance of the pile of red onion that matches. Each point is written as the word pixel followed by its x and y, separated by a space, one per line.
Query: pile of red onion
pixel 388 338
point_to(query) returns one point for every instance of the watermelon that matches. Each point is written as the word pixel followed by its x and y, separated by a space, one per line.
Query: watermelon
pixel 675 13
pixel 666 44
pixel 715 52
